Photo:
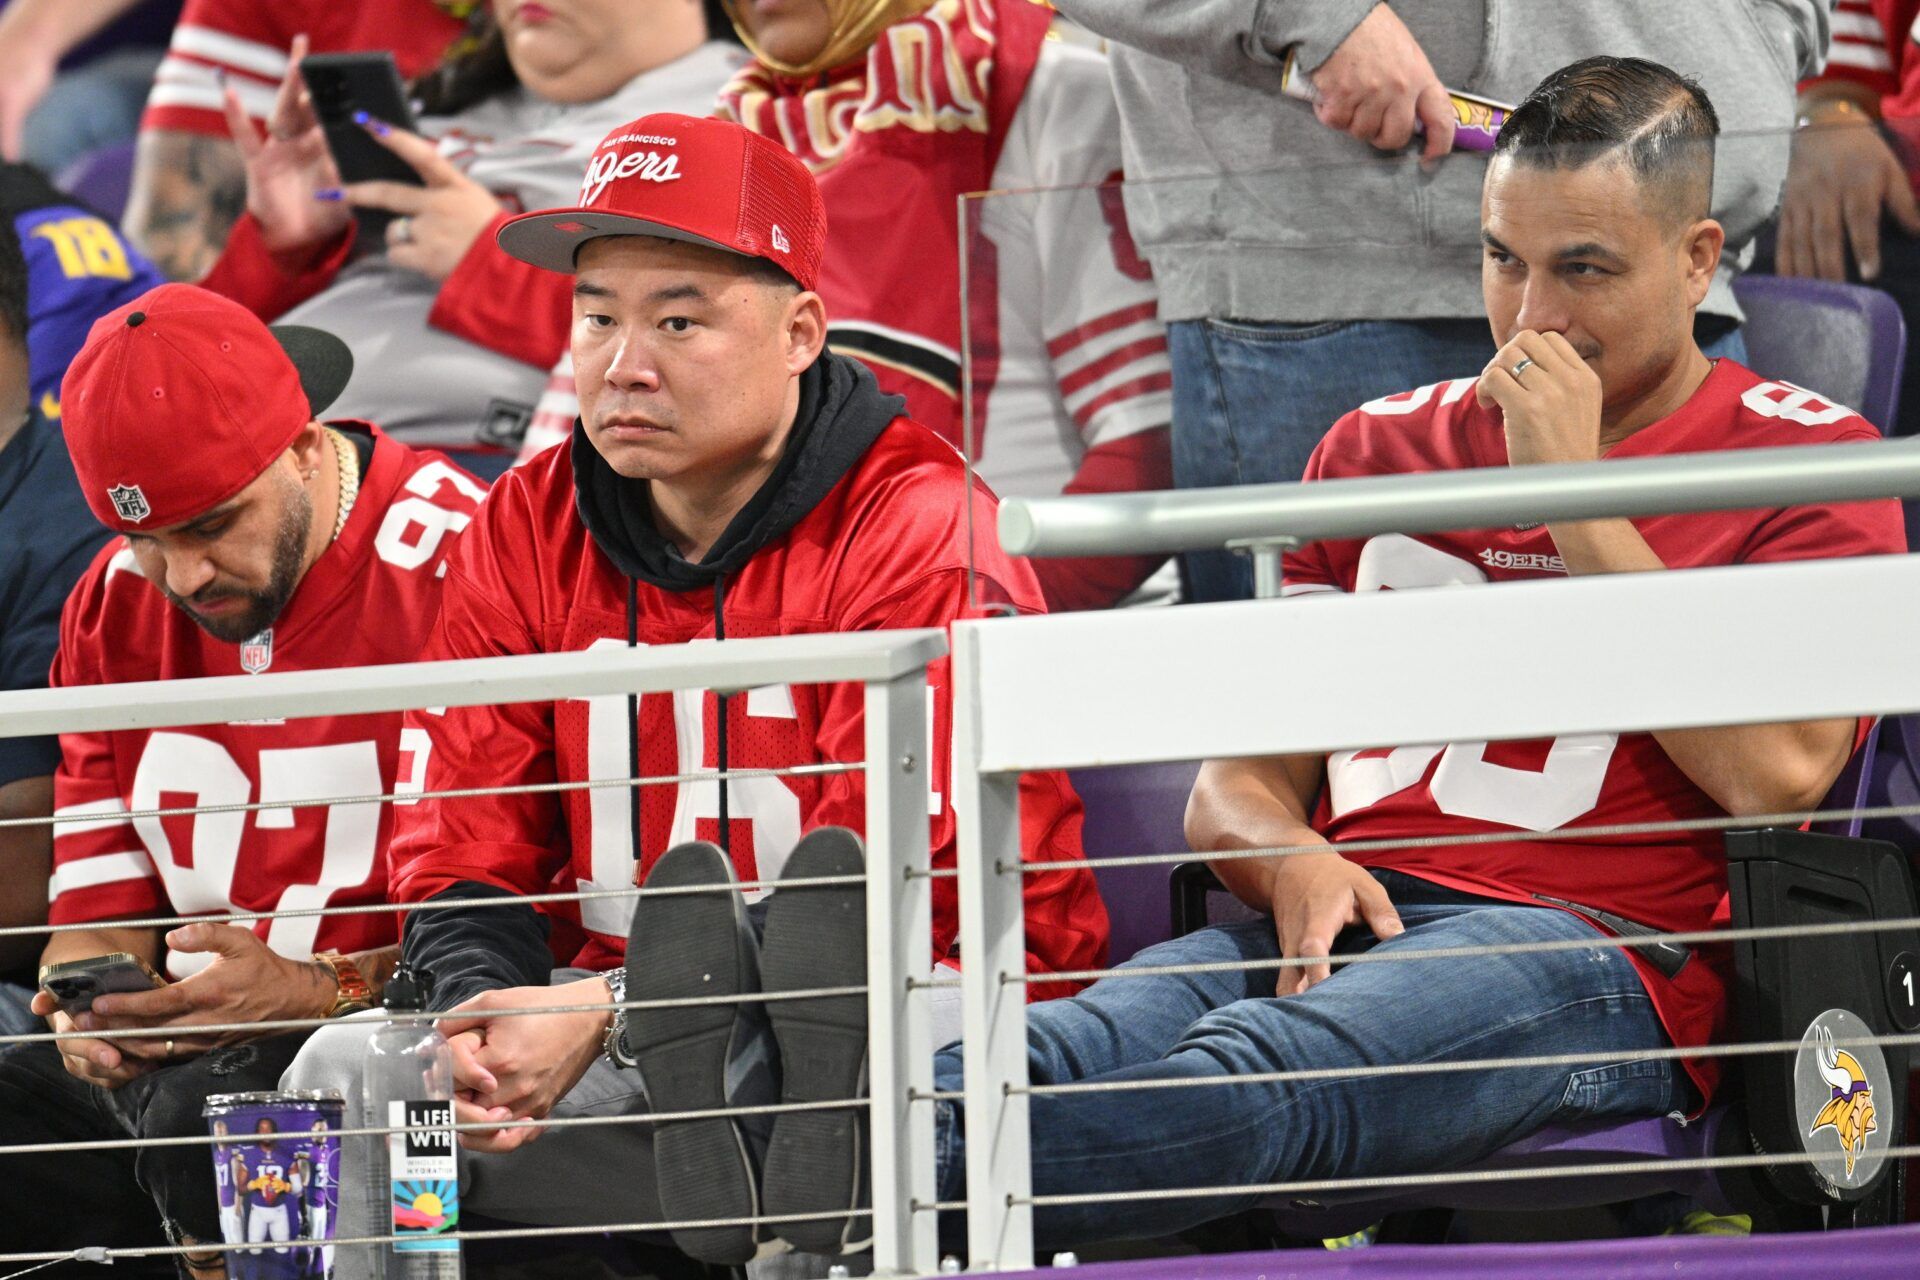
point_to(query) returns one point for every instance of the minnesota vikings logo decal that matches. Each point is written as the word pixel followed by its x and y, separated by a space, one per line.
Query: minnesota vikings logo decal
pixel 1835 1099
pixel 1849 1113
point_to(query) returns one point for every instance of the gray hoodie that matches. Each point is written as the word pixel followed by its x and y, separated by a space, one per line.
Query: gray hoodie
pixel 1249 208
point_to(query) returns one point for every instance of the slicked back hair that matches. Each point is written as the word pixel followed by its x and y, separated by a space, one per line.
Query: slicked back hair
pixel 1651 118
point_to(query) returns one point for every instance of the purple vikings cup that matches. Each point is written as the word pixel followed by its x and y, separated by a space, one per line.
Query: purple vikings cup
pixel 276 1173
pixel 1476 120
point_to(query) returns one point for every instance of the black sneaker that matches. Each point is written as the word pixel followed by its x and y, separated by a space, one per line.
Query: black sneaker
pixel 704 1056
pixel 817 937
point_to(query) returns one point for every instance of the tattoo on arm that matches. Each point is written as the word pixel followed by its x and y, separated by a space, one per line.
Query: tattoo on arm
pixel 188 189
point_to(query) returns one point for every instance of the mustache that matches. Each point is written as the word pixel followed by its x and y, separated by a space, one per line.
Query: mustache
pixel 1587 351
pixel 210 595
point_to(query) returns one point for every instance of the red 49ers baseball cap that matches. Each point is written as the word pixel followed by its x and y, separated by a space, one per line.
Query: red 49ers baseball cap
pixel 180 399
pixel 679 177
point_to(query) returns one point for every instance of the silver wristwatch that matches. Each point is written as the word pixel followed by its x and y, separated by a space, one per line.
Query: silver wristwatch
pixel 614 1045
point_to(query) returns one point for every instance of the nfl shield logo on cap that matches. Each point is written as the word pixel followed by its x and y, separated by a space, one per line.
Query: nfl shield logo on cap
pixel 129 502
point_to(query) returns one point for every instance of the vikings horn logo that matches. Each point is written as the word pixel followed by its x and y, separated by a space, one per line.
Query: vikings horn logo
pixel 1850 1112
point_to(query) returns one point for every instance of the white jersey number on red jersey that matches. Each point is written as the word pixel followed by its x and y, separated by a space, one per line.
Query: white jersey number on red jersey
pixel 178 770
pixel 1465 784
pixel 398 543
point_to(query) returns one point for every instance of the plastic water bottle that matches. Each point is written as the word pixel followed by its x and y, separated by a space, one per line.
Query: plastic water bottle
pixel 414 1178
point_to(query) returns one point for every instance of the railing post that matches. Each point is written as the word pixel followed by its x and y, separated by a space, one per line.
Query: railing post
pixel 1266 554
pixel 994 1011
pixel 899 960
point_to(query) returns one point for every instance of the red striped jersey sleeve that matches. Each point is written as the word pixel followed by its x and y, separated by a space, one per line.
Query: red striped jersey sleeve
pixel 101 869
pixel 235 39
pixel 1870 38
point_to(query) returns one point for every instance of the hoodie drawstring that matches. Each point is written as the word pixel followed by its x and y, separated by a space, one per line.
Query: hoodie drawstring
pixel 633 717
pixel 633 728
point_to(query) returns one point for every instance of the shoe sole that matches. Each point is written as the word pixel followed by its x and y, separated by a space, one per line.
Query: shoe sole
pixel 817 937
pixel 679 946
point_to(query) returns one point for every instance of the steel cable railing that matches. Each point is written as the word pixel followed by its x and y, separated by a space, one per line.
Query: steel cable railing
pixel 890 665
pixel 1400 667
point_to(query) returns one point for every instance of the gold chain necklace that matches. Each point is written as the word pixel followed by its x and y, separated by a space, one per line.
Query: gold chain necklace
pixel 349 459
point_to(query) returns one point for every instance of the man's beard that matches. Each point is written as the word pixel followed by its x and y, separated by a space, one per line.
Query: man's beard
pixel 263 606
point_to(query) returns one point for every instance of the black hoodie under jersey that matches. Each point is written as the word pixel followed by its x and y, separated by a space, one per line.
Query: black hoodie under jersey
pixel 842 411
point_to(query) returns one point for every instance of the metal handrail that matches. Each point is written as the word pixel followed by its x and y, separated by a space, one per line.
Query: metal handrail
pixel 406 686
pixel 1479 498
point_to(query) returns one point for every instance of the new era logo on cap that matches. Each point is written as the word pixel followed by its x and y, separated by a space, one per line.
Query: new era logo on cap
pixel 129 502
pixel 703 181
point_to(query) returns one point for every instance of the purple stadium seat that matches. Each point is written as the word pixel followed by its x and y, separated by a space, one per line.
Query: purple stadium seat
pixel 1845 341
pixel 1882 1253
pixel 1895 780
pixel 100 180
pixel 1133 810
pixel 1655 1141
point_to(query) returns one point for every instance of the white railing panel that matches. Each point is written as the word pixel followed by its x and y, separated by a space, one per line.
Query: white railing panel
pixel 1588 655
pixel 891 665
pixel 470 682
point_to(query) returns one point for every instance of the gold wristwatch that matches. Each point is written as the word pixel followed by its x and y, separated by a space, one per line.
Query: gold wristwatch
pixel 352 990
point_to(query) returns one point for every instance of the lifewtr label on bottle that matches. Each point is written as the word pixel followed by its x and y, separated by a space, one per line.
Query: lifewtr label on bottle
pixel 425 1176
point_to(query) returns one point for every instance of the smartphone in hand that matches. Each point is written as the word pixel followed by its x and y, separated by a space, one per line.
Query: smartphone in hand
pixel 342 85
pixel 75 983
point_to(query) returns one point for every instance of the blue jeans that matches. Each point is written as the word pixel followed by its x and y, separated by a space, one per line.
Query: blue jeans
pixel 16 1019
pixel 90 106
pixel 1210 1025
pixel 1252 401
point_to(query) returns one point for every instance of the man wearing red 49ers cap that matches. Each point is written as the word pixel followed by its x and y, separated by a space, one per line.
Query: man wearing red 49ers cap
pixel 728 477
pixel 254 537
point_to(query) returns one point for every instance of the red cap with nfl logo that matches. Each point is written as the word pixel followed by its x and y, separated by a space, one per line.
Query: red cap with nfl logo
pixel 705 181
pixel 181 398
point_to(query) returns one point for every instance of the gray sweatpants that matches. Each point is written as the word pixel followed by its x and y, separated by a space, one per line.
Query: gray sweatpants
pixel 576 1175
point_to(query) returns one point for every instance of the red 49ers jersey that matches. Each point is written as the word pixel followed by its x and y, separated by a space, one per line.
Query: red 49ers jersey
pixel 1672 881
pixel 369 599
pixel 885 548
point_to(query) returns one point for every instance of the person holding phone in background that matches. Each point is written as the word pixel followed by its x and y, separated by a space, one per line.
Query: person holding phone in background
pixel 188 182
pixel 252 537
pixel 1288 301
pixel 434 312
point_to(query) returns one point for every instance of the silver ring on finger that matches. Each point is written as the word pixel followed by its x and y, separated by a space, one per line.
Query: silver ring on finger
pixel 1526 363
pixel 169 1048
pixel 402 231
